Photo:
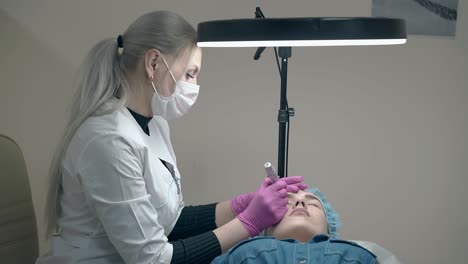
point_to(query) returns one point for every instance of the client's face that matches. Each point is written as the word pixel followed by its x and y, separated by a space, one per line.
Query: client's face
pixel 305 218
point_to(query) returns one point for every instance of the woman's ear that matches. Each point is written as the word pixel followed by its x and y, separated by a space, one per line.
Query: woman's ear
pixel 151 62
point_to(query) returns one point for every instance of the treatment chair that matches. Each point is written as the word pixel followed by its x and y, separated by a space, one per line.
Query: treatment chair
pixel 383 255
pixel 18 230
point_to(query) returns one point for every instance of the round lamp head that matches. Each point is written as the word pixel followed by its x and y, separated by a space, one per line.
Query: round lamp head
pixel 290 32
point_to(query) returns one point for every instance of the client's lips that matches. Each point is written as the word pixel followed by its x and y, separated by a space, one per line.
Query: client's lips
pixel 299 211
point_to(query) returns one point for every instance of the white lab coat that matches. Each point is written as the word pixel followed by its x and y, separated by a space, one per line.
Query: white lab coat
pixel 119 202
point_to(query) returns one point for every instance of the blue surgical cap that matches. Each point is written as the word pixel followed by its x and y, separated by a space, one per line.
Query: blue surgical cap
pixel 333 219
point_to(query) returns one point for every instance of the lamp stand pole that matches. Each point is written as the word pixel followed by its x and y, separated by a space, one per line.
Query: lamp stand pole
pixel 284 113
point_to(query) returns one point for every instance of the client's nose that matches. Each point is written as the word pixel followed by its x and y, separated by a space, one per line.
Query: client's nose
pixel 300 203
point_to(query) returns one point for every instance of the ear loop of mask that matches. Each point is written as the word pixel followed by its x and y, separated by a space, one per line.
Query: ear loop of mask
pixel 152 83
pixel 164 60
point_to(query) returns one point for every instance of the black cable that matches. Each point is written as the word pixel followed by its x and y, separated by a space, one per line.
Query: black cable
pixel 277 61
pixel 287 141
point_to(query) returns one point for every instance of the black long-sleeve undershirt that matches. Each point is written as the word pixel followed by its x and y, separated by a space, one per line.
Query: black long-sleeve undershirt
pixel 192 237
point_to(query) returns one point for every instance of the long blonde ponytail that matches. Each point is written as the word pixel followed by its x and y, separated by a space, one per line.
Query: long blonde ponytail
pixel 104 75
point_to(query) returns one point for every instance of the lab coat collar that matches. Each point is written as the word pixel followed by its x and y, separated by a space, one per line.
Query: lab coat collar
pixel 155 141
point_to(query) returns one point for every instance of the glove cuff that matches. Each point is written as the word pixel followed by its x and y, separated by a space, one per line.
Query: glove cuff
pixel 236 207
pixel 251 228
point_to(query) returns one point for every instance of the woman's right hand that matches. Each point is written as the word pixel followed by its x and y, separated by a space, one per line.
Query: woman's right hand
pixel 268 206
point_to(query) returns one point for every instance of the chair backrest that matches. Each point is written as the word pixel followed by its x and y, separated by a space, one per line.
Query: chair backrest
pixel 18 230
pixel 383 255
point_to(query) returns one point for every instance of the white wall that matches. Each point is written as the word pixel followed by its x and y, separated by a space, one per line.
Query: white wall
pixel 381 130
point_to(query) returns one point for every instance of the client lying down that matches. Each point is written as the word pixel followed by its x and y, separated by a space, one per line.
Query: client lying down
pixel 308 233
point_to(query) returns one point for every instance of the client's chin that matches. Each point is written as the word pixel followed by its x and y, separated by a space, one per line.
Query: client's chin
pixel 296 229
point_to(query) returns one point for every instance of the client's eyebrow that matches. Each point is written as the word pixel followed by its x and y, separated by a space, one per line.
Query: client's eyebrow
pixel 311 197
pixel 307 196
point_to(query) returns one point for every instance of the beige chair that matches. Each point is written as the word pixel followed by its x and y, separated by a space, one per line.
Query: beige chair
pixel 18 230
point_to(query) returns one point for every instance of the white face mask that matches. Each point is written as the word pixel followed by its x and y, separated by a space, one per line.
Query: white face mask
pixel 178 103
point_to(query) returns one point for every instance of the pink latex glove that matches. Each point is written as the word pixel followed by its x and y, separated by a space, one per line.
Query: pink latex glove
pixel 268 206
pixel 240 202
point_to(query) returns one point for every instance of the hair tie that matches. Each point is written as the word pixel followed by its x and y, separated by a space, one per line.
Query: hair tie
pixel 120 41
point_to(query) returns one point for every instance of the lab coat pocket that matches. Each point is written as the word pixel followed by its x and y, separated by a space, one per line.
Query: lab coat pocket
pixel 159 191
pixel 68 240
pixel 157 181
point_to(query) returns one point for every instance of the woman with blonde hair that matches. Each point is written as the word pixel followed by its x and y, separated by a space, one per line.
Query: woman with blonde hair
pixel 115 192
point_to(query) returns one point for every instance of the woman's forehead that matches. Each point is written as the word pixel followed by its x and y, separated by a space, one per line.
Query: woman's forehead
pixel 189 58
pixel 196 57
